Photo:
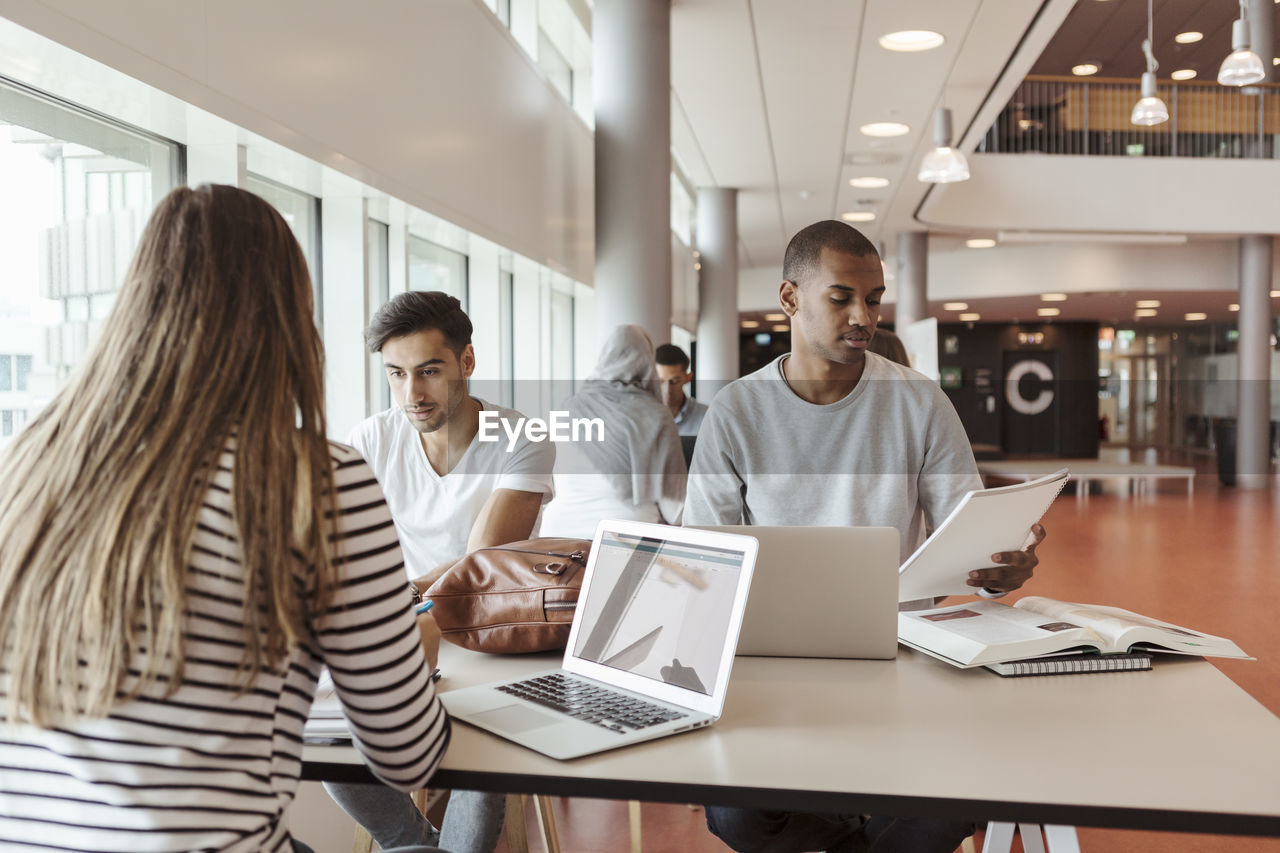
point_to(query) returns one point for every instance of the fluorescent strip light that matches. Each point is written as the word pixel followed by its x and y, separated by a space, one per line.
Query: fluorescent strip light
pixel 1053 297
pixel 1196 315
pixel 970 318
pixel 1233 307
pixel 1088 237
pixel 1188 37
pixel 955 306
pixel 1048 312
pixel 980 243
pixel 775 317
pixel 1145 312
pixel 868 183
pixel 750 324
pixel 782 327
pixel 858 216
pixel 1147 303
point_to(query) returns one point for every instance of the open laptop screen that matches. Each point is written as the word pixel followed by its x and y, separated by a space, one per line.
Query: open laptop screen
pixel 660 609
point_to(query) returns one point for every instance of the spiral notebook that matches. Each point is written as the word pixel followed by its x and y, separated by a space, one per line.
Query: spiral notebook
pixel 1069 664
pixel 984 522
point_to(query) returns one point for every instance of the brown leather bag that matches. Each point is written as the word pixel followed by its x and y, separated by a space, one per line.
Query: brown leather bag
pixel 512 598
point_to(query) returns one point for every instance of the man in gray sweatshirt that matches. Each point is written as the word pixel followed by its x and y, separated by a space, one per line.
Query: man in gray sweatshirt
pixel 831 434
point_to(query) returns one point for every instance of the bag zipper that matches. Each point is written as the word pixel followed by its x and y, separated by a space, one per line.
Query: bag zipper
pixel 578 557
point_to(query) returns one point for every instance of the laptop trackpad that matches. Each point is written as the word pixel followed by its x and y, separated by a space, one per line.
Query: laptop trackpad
pixel 515 718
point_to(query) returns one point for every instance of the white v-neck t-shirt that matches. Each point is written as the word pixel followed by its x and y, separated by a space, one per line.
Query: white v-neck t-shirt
pixel 434 514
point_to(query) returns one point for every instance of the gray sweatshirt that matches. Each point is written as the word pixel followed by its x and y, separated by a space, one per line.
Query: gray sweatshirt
pixel 891 453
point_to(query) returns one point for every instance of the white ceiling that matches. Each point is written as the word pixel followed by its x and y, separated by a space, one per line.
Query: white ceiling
pixel 768 96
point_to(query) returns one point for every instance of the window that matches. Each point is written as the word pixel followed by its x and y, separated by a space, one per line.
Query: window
pixel 433 267
pixel 377 295
pixel 302 212
pixel 77 192
pixel 506 336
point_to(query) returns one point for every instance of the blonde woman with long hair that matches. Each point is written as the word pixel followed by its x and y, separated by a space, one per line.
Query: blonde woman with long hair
pixel 181 553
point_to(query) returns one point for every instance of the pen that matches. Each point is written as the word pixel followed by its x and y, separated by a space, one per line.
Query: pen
pixel 425 606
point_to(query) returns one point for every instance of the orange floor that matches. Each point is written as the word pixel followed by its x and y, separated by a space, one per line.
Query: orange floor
pixel 1210 561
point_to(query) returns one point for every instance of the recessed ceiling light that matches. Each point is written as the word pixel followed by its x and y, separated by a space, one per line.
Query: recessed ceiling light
pixel 1048 312
pixel 1190 37
pixel 955 306
pixel 1275 60
pixel 1196 315
pixel 1184 74
pixel 885 128
pixel 1233 307
pixel 868 183
pixel 1085 69
pixel 750 324
pixel 775 317
pixel 782 327
pixel 1148 303
pixel 858 216
pixel 1145 312
pixel 1053 297
pixel 980 243
pixel 911 41
pixel 970 318
pixel 1275 293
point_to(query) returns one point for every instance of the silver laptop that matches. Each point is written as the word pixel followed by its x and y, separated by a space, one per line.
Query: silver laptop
pixel 823 592
pixel 650 649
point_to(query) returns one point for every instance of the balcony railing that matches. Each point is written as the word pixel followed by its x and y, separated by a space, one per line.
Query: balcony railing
pixel 1068 115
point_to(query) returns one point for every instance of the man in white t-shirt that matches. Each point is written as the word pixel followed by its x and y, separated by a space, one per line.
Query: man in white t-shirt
pixel 449 493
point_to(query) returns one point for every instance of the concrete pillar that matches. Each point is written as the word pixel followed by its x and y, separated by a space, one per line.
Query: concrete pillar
pixel 1262 35
pixel 912 301
pixel 631 55
pixel 1253 351
pixel 717 290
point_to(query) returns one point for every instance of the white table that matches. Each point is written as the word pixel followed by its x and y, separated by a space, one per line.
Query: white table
pixel 1138 476
pixel 1180 748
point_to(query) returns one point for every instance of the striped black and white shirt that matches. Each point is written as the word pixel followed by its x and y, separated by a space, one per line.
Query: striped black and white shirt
pixel 209 768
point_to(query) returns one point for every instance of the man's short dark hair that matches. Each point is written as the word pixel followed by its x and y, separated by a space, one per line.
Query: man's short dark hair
pixel 806 247
pixel 420 311
pixel 671 354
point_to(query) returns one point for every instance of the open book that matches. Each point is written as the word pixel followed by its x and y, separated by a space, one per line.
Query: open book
pixel 984 632
pixel 984 522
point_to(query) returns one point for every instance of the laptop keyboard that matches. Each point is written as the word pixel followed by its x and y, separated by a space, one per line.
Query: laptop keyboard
pixel 591 703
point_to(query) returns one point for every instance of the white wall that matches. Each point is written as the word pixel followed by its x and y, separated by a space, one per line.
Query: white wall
pixel 1127 194
pixel 432 102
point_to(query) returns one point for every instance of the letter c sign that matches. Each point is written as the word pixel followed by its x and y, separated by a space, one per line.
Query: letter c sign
pixel 1014 396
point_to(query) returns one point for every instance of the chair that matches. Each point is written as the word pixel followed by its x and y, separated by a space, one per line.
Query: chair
pixel 1056 839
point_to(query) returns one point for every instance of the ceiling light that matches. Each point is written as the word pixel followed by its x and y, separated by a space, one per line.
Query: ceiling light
pixel 911 41
pixel 1233 307
pixel 1053 297
pixel 1085 69
pixel 1148 303
pixel 1275 294
pixel 782 327
pixel 750 324
pixel 1184 74
pixel 1150 109
pixel 858 216
pixel 979 242
pixel 1196 315
pixel 868 183
pixel 1275 60
pixel 1242 67
pixel 1188 37
pixel 775 317
pixel 1145 312
pixel 885 128
pixel 955 306
pixel 1048 312
pixel 944 164
pixel 970 318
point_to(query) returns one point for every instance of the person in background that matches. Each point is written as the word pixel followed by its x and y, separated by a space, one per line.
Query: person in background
pixel 182 552
pixel 637 471
pixel 831 434
pixel 449 493
pixel 673 376
pixel 884 342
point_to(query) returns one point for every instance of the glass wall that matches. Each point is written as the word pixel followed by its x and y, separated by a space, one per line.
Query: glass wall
pixel 77 192
pixel 433 267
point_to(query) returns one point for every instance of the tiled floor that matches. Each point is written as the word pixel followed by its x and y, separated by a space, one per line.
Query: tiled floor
pixel 1210 561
